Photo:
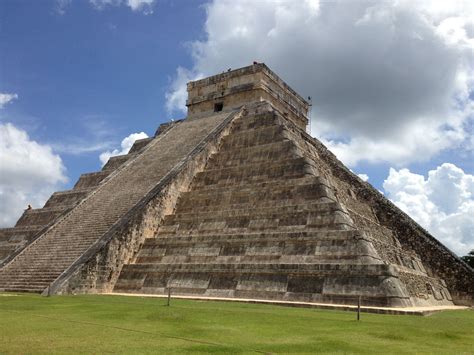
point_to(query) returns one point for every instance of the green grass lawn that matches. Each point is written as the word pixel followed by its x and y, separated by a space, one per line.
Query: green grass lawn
pixel 114 324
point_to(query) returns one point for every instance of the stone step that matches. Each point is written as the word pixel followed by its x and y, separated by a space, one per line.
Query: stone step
pixel 255 186
pixel 13 239
pixel 52 271
pixel 283 169
pixel 89 180
pixel 40 216
pixel 37 259
pixel 22 289
pixel 139 144
pixel 279 192
pixel 327 224
pixel 329 216
pixel 46 270
pixel 25 287
pixel 271 268
pixel 65 252
pixel 263 218
pixel 331 283
pixel 31 279
pixel 256 212
pixel 326 257
pixel 40 273
pixel 42 266
pixel 116 161
pixel 305 235
pixel 18 234
pixel 68 197
pixel 29 282
pixel 335 245
pixel 254 154
pixel 258 136
pixel 253 122
pixel 33 288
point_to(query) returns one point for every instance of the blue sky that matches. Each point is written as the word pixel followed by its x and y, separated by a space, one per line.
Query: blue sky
pixel 90 77
pixel 391 82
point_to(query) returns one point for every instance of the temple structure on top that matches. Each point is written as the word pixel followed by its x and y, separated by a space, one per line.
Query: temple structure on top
pixel 235 201
pixel 256 83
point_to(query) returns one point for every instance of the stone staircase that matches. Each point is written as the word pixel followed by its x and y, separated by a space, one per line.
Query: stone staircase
pixel 95 211
pixel 261 222
pixel 34 221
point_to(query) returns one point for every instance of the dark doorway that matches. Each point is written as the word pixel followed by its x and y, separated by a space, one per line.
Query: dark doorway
pixel 218 106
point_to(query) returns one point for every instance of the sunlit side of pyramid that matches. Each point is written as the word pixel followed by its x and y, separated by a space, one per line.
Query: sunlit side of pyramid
pixel 235 201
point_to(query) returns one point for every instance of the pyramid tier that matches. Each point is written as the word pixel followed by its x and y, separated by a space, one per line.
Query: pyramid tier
pixel 12 239
pixel 325 216
pixel 264 247
pixel 116 161
pixel 324 283
pixel 91 179
pixel 40 216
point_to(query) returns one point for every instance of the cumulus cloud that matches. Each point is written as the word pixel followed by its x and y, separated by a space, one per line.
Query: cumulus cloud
pixel 30 172
pixel 390 81
pixel 177 93
pixel 6 98
pixel 443 203
pixel 125 146
pixel 144 6
pixel 364 177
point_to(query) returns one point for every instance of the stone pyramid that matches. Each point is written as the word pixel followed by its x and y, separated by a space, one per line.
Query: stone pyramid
pixel 235 201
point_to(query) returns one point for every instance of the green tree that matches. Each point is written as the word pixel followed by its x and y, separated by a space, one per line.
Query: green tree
pixel 469 258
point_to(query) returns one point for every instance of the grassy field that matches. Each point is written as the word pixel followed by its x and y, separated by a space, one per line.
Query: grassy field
pixel 113 324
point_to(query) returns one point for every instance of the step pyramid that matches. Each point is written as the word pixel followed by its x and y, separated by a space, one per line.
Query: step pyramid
pixel 236 201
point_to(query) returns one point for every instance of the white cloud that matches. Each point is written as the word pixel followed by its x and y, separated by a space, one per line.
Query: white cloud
pixel 364 177
pixel 101 4
pixel 125 146
pixel 144 6
pixel 61 6
pixel 30 172
pixel 6 98
pixel 390 80
pixel 177 93
pixel 443 203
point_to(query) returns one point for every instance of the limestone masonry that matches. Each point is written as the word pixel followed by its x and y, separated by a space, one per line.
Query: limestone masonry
pixel 234 201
